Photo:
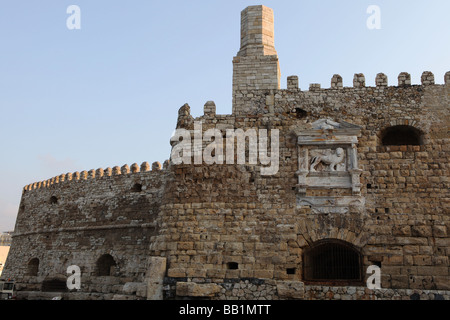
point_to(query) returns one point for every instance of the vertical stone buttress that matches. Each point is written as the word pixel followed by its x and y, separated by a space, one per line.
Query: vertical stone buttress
pixel 256 64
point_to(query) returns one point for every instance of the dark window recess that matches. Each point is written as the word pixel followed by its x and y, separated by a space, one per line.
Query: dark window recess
pixel 33 267
pixel 232 265
pixel 300 113
pixel 290 270
pixel 104 265
pixel 54 285
pixel 137 187
pixel 332 260
pixel 401 135
pixel 53 200
pixel 369 186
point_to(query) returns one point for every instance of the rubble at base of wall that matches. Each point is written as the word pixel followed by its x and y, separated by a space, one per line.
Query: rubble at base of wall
pixel 296 290
pixel 38 295
pixel 251 289
pixel 255 289
pixel 266 289
pixel 363 293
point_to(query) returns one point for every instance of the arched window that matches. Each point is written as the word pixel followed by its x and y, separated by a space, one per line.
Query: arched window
pixel 33 267
pixel 332 261
pixel 401 135
pixel 104 265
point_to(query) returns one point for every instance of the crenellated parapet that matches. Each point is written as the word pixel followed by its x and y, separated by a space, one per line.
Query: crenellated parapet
pixel 359 81
pixel 98 174
pixel 253 101
pixel 278 101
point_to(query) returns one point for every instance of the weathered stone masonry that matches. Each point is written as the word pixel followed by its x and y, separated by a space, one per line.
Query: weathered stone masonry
pixel 74 219
pixel 227 232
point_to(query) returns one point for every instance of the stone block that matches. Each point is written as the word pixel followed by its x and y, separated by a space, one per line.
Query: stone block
pixel 195 272
pixel 192 289
pixel 133 287
pixel 401 230
pixel 422 260
pixel 399 281
pixel 185 245
pixel 394 260
pixel 409 249
pixel 232 274
pixel 432 271
pixel 263 274
pixel 155 277
pixel 442 282
pixel 421 231
pixel 123 297
pixel 290 289
pixel 216 273
pixel 439 231
pixel 176 272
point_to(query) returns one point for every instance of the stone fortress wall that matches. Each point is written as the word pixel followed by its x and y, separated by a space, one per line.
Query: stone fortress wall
pixel 226 231
pixel 75 219
pixel 236 215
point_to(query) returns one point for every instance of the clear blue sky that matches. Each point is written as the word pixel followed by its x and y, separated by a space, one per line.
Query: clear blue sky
pixel 108 94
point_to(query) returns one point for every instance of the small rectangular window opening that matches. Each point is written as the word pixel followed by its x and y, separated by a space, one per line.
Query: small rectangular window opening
pixel 232 265
pixel 290 271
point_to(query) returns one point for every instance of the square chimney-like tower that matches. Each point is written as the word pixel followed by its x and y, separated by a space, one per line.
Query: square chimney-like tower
pixel 256 65
pixel 257 32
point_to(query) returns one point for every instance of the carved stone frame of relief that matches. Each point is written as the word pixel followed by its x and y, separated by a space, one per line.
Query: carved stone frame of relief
pixel 327 158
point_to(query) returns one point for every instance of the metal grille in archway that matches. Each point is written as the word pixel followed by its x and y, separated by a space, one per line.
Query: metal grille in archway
pixel 332 261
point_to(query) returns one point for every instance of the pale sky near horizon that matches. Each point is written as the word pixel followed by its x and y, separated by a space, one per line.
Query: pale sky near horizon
pixel 109 93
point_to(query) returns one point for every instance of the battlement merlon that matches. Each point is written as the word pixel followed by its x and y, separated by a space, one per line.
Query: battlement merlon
pixel 256 65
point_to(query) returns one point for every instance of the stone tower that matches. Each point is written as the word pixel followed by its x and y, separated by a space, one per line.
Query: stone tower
pixel 256 64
